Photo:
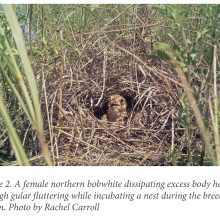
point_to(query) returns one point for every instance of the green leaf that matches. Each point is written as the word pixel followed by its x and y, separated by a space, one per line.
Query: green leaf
pixel 162 55
pixel 21 18
pixel 7 59
pixel 189 41
pixel 179 120
pixel 193 54
pixel 184 52
pixel 198 37
pixel 167 11
pixel 193 124
pixel 162 47
pixel 173 16
pixel 149 57
pixel 184 14
pixel 158 8
pixel 56 51
pixel 196 72
pixel 202 33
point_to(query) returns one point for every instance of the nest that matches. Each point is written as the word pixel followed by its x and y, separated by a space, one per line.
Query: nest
pixel 82 138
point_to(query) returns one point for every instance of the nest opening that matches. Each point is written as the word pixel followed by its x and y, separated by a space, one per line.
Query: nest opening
pixel 99 112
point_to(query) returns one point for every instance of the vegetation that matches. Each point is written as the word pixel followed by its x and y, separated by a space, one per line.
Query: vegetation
pixel 60 64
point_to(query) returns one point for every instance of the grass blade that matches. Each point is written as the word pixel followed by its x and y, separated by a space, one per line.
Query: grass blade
pixel 16 142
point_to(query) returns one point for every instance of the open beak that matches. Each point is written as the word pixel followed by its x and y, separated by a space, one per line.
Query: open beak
pixel 113 104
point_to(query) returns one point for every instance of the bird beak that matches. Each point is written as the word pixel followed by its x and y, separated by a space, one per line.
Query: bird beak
pixel 113 104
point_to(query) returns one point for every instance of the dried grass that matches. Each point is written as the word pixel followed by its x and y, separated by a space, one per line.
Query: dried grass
pixel 82 138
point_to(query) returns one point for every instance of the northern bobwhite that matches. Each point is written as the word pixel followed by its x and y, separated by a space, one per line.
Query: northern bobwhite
pixel 117 108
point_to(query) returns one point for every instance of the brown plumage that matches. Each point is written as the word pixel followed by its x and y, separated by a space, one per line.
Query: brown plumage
pixel 117 108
